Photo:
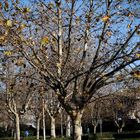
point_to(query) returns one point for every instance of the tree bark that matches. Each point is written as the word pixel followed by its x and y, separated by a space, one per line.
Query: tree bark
pixel 121 129
pixel 12 132
pixel 43 121
pixel 68 128
pixel 53 134
pixel 62 125
pixel 77 127
pixel 37 128
pixel 17 127
pixel 95 126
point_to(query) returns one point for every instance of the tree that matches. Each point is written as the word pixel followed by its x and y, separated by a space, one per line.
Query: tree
pixel 96 115
pixel 121 106
pixel 38 114
pixel 17 100
pixel 77 46
pixel 6 121
pixel 53 108
pixel 36 109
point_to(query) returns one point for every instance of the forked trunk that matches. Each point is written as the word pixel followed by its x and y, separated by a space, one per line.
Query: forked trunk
pixel 120 130
pixel 17 127
pixel 53 127
pixel 37 128
pixel 120 127
pixel 68 126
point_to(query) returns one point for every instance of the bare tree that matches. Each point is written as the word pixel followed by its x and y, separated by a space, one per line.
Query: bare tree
pixel 121 107
pixel 53 108
pixel 78 46
pixel 17 90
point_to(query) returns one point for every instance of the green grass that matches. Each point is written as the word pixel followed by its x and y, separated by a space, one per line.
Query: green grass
pixel 105 135
pixel 34 138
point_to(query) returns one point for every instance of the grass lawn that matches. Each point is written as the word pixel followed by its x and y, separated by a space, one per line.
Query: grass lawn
pixel 111 136
pixel 105 136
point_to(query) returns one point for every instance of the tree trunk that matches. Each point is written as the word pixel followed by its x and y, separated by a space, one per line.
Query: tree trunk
pixel 68 126
pixel 43 121
pixel 62 125
pixel 37 128
pixel 120 127
pixel 12 133
pixel 17 127
pixel 53 127
pixel 77 127
pixel 121 130
pixel 95 126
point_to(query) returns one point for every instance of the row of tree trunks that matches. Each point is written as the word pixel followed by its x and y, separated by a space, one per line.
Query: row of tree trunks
pixel 53 132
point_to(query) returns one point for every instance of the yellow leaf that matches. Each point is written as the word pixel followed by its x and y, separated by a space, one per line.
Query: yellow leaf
pixel 127 58
pixel 7 53
pixel 109 33
pixel 105 18
pixel 44 40
pixel 120 105
pixel 58 65
pixel 2 38
pixel 20 62
pixel 50 5
pixel 11 91
pixel 130 14
pixel 138 55
pixel 119 77
pixel 22 26
pixel 36 61
pixel 26 10
pixel 128 26
pixel 77 20
pixel 136 74
pixel 9 23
